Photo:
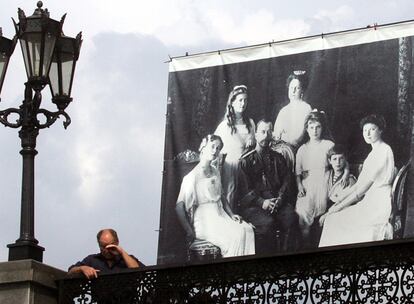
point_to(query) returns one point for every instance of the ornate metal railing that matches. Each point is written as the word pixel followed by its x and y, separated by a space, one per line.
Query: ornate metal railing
pixel 366 274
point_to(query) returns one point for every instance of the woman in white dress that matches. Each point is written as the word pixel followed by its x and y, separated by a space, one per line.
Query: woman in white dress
pixel 291 118
pixel 362 213
pixel 204 212
pixel 237 132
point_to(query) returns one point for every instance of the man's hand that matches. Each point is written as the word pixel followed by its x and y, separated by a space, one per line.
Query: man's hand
pixel 118 250
pixel 114 249
pixel 276 205
pixel 89 272
pixel 269 204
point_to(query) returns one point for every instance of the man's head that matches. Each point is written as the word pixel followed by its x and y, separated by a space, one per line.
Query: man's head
pixel 107 237
pixel 337 158
pixel 263 133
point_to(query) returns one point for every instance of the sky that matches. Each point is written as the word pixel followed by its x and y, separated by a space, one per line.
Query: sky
pixel 105 170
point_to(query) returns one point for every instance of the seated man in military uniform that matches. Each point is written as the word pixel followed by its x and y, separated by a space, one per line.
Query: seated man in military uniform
pixel 265 193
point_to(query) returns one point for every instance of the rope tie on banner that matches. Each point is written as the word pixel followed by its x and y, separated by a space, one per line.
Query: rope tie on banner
pixel 375 26
pixel 322 35
pixel 169 59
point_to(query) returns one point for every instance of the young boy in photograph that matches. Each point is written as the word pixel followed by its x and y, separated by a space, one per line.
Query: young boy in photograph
pixel 338 163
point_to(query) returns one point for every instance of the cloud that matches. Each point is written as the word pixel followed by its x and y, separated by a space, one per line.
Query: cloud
pixel 256 27
pixel 325 21
pixel 122 112
pixel 235 27
pixel 105 170
pixel 116 144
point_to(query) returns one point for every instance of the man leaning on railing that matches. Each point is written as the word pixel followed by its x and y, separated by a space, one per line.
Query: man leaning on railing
pixel 111 257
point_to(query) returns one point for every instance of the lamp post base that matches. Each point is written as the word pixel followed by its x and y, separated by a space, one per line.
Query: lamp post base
pixel 23 250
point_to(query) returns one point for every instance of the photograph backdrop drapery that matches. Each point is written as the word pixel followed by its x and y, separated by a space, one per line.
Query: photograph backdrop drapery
pixel 347 82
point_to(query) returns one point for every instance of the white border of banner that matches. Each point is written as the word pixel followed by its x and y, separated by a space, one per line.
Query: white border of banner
pixel 294 46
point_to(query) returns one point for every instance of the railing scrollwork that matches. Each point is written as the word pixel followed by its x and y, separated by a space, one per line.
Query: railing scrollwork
pixel 378 274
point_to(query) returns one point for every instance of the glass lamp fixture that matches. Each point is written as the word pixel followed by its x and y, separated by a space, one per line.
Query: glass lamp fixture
pixel 6 50
pixel 37 35
pixel 62 69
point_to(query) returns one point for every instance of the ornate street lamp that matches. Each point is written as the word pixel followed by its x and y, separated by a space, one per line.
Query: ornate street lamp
pixel 49 58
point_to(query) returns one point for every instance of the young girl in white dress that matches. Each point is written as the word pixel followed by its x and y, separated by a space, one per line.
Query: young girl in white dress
pixel 204 212
pixel 311 172
pixel 237 132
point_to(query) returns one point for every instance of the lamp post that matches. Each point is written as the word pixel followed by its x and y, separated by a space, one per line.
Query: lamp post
pixel 50 58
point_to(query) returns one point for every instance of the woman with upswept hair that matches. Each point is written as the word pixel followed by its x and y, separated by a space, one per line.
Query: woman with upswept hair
pixel 237 132
pixel 361 213
pixel 203 210
pixel 290 119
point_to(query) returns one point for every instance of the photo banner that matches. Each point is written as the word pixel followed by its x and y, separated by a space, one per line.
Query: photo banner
pixel 311 145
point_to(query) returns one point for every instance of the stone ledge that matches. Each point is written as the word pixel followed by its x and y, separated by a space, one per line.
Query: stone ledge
pixel 28 282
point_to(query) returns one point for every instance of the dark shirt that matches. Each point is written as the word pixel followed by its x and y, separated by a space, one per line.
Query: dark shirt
pixel 98 262
pixel 264 175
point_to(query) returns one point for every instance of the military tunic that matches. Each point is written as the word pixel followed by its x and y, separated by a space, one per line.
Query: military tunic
pixel 265 175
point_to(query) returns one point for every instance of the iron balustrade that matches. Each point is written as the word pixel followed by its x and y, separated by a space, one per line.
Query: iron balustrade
pixel 381 272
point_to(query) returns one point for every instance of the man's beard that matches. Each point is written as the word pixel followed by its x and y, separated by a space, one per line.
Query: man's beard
pixel 264 143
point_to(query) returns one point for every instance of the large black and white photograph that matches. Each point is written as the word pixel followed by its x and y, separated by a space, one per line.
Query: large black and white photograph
pixel 289 153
